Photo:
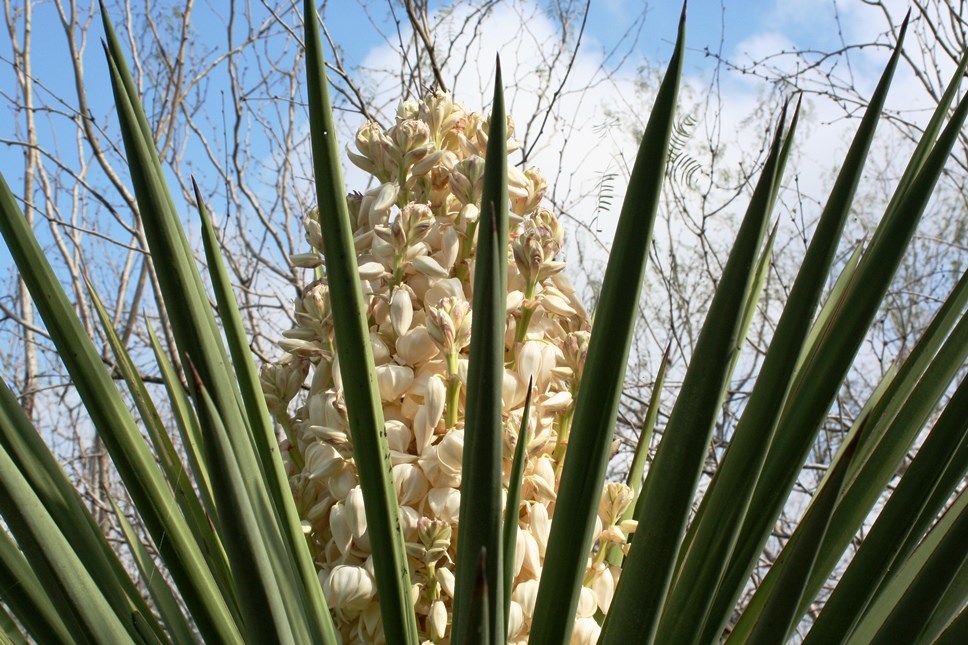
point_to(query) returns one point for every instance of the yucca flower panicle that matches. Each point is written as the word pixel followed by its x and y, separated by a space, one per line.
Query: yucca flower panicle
pixel 415 239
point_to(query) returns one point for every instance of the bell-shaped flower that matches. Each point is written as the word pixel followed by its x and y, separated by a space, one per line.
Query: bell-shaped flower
pixel 444 503
pixel 416 346
pixel 322 460
pixel 348 589
pixel 587 631
pixel 393 380
pixel 525 594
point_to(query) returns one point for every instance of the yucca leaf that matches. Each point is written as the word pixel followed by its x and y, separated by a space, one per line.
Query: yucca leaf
pixel 833 303
pixel 479 626
pixel 307 589
pixel 10 633
pixel 957 632
pixel 164 599
pixel 26 597
pixel 637 467
pixel 256 586
pixel 598 396
pixel 780 613
pixel 714 532
pixel 937 346
pixel 480 504
pixel 906 606
pixel 180 408
pixel 825 367
pixel 616 556
pixel 168 458
pixel 193 323
pixel 246 379
pixel 675 472
pixel 950 479
pixel 928 137
pixel 513 504
pixel 950 604
pixel 365 411
pixel 892 436
pixel 111 417
pixel 85 610
pixel 49 482
pixel 873 561
pixel 197 334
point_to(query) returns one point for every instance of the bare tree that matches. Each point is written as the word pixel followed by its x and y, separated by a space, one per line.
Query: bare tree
pixel 223 89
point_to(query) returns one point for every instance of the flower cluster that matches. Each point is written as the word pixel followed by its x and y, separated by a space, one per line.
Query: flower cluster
pixel 414 235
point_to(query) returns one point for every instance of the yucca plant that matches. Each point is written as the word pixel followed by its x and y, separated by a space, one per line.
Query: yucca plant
pixel 332 535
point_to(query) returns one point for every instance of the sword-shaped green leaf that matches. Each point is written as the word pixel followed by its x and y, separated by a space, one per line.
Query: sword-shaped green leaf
pixel 82 606
pixel 827 362
pixel 111 417
pixel 713 534
pixel 513 504
pixel 257 589
pixel 598 396
pixel 365 411
pixel 905 608
pixel 164 599
pixel 29 600
pixel 481 475
pixel 676 469
pixel 305 582
pixel 872 564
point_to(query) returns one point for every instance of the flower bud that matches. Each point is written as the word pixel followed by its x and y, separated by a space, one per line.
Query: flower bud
pixel 437 620
pixel 355 515
pixel 416 346
pixel 615 499
pixel 450 451
pixel 467 180
pixel 281 382
pixel 435 537
pixel 587 603
pixel 586 631
pixel 409 135
pixel 445 577
pixel 407 109
pixel 429 267
pixel 575 350
pixel 340 528
pixel 314 232
pixel 306 260
pixel 401 310
pixel 449 324
pixel 603 584
pixel 525 594
pixel 540 526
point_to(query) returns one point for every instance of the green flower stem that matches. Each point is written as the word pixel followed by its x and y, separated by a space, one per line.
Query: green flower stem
pixel 433 587
pixel 294 452
pixel 526 313
pixel 453 390
pixel 462 270
pixel 561 446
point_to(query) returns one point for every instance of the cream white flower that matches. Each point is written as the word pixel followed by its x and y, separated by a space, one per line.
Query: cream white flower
pixel 414 234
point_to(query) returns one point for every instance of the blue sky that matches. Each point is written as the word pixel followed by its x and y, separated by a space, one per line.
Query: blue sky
pixel 763 25
pixel 351 24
